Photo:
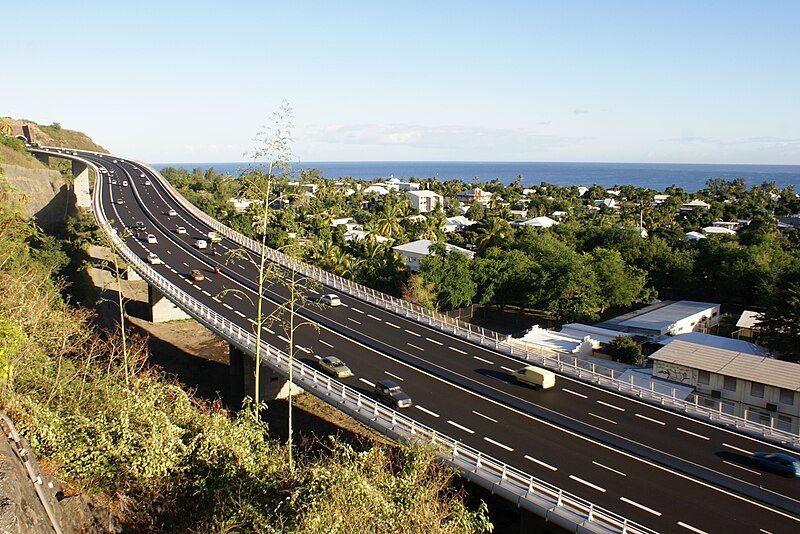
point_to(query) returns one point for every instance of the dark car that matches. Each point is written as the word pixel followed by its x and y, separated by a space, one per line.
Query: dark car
pixel 140 226
pixel 392 394
pixel 777 462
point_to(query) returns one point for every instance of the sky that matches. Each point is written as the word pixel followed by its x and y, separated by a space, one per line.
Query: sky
pixel 612 81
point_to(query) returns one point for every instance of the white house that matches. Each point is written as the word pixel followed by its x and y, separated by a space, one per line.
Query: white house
pixel 695 205
pixel 412 253
pixel 376 189
pixel 397 185
pixel 518 214
pixel 748 324
pixel 424 200
pixel 718 230
pixel 457 223
pixel 558 214
pixel 695 236
pixel 474 195
pixel 341 220
pixel 659 199
pixel 607 202
pixel 359 235
pixel 582 190
pixel 667 318
pixel 536 222
pixel 240 204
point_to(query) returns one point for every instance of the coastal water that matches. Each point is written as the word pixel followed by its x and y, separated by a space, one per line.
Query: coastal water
pixel 658 176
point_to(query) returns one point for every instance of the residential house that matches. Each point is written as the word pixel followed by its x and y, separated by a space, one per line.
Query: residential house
pixel 747 325
pixel 518 214
pixel 359 235
pixel 694 236
pixel 474 195
pixel 376 189
pixel 695 205
pixel 425 201
pixel 412 253
pixel 757 388
pixel 731 225
pixel 659 199
pixel 559 215
pixel 536 222
pixel 718 230
pixel 607 202
pixel 394 184
pixel 240 204
pixel 457 223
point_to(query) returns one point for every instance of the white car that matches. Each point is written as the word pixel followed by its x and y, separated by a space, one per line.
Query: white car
pixel 330 299
pixel 172 213
pixel 147 182
pixel 181 230
pixel 124 183
pixel 115 161
pixel 142 175
pixel 151 239
pixel 154 259
pixel 201 243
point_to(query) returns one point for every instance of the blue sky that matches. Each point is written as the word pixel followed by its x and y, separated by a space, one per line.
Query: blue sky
pixel 704 82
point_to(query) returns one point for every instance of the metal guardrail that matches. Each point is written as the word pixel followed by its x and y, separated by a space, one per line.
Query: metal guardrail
pixel 555 360
pixel 535 495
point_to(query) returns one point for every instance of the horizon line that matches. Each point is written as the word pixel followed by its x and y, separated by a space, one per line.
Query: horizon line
pixel 485 161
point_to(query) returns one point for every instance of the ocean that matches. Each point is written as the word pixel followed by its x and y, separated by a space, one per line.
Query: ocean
pixel 658 176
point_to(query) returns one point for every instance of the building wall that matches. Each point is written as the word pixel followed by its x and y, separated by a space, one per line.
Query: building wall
pixel 695 323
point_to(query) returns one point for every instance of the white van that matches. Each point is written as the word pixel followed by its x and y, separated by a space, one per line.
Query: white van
pixel 535 376
pixel 201 243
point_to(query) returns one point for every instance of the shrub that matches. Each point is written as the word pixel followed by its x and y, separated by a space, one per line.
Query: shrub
pixel 624 349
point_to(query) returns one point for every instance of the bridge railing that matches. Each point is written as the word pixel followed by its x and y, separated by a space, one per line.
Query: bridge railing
pixel 533 494
pixel 543 356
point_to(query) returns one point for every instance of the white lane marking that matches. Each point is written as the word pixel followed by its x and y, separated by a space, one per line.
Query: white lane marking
pixel 412 345
pixel 367 382
pixel 427 411
pixel 611 406
pixel 186 264
pixel 504 368
pixel 353 320
pixel 392 324
pixel 394 376
pixel 602 418
pixel 373 317
pixel 303 349
pixel 206 293
pixel 479 414
pixel 598 464
pixel 318 357
pixel 737 449
pixel 483 360
pixel 412 332
pixel 240 314
pixel 641 506
pixel 434 341
pixel 690 527
pixel 227 305
pixel 741 467
pixel 268 330
pixel 764 531
pixel 465 429
pixel 693 433
pixel 595 486
pixel 457 350
pixel 238 296
pixel 326 343
pixel 241 266
pixel 543 464
pixel 656 421
pixel 285 340
pixel 574 393
pixel 356 310
pixel 493 442
pixel 169 251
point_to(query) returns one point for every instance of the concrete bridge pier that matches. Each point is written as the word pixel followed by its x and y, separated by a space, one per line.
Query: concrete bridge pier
pixel 44 158
pixel 242 379
pixel 83 198
pixel 161 309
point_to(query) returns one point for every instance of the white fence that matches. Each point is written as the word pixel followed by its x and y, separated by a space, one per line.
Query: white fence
pixel 607 377
pixel 531 493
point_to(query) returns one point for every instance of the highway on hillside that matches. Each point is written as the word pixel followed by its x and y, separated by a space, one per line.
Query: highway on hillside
pixel 658 468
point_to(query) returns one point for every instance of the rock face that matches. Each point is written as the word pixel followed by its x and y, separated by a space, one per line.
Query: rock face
pixel 22 511
pixel 45 190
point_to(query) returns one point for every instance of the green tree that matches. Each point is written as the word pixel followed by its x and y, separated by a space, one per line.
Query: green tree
pixel 779 327
pixel 619 284
pixel 624 349
pixel 449 273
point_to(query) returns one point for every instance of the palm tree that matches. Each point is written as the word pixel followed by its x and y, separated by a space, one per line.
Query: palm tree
pixel 387 223
pixel 492 232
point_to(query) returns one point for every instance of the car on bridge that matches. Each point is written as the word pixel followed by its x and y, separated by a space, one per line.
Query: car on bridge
pixel 778 462
pixel 151 238
pixel 392 394
pixel 119 201
pixel 331 299
pixel 535 376
pixel 140 226
pixel 124 183
pixel 172 213
pixel 153 259
pixel 141 175
pixel 335 367
pixel 197 275
pixel 200 243
pixel 180 230
pixel 113 181
pixel 147 182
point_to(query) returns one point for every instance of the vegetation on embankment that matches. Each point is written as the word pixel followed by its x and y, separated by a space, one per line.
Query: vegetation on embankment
pixel 104 423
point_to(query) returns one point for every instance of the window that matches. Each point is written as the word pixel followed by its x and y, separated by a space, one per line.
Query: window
pixel 729 383
pixel 703 377
pixel 784 423
pixel 787 396
pixel 757 390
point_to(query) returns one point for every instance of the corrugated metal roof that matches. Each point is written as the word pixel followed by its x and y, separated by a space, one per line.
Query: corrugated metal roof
pixel 765 370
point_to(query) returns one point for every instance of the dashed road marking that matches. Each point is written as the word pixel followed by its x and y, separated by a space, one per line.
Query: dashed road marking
pixel 240 314
pixel 238 296
pixel 456 350
pixel 269 331
pixel 483 360
pixel 695 434
pixel 298 347
pixel 603 418
pixel 392 324
pixel 285 340
pixel 574 393
pixel 227 305
pixel 356 310
pixel 412 332
pixel 504 368
pixel 367 382
pixel 427 411
pixel 462 427
pixel 737 449
pixel 414 346
pixel 612 406
pixel 353 320
pixel 690 527
pixel 434 341
pixel 394 376
pixel 326 343
pixel 543 464
pixel 587 483
pixel 479 414
pixel 373 317
pixel 741 467
pixel 656 421
pixel 641 506
pixel 493 442
pixel 598 464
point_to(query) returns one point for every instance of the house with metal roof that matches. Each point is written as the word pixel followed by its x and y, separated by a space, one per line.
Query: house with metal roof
pixel 668 317
pixel 758 388
pixel 412 253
